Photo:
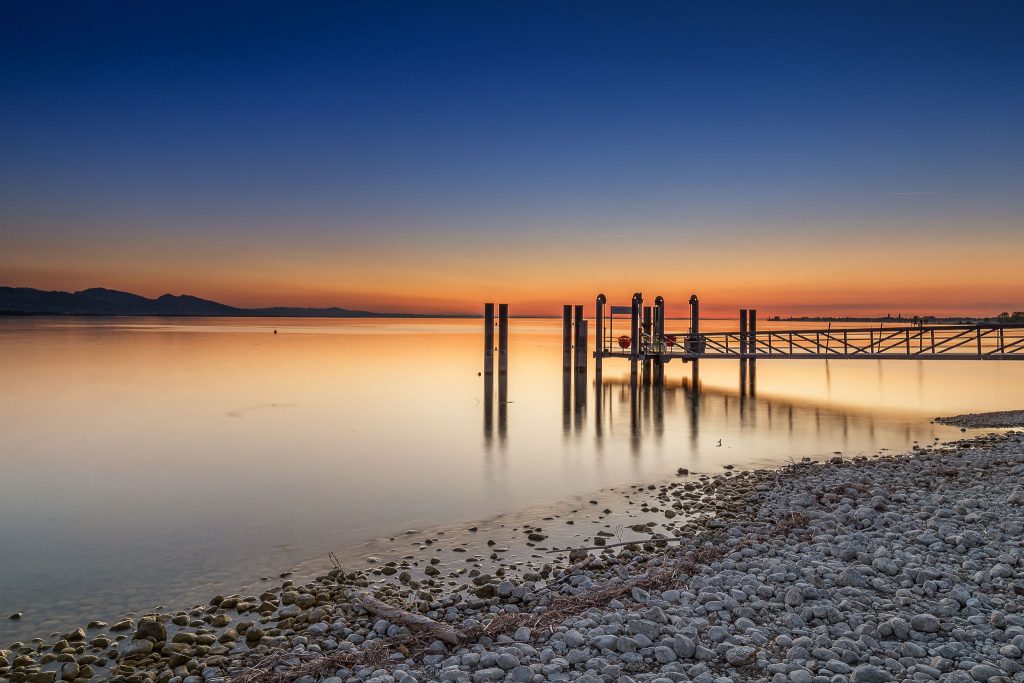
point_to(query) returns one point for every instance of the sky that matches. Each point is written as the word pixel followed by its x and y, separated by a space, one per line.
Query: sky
pixel 795 157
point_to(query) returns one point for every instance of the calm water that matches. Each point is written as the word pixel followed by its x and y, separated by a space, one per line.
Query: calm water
pixel 147 462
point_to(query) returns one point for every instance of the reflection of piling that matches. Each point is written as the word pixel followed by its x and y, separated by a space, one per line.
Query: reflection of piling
pixel 488 338
pixel 502 407
pixel 488 406
pixel 566 400
pixel 566 337
pixel 502 338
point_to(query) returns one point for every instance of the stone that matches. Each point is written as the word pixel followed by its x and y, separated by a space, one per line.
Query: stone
pixel 138 648
pixel 925 623
pixel 985 672
pixel 869 673
pixel 151 629
pixel 684 646
pixel 664 655
pixel 740 655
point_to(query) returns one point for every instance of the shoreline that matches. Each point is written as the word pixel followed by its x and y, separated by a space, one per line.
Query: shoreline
pixel 320 620
pixel 1003 419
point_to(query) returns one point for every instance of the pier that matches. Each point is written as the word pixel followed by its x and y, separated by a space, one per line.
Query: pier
pixel 643 337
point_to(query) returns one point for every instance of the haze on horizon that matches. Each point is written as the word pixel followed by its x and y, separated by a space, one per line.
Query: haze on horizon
pixel 832 158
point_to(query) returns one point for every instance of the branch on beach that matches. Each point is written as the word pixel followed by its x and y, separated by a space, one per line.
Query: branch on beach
pixel 411 620
pixel 642 541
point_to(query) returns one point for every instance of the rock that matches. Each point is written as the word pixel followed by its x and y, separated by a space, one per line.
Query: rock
pixel 151 629
pixel 664 655
pixel 74 636
pixel 1017 497
pixel 740 655
pixel 16 616
pixel 122 625
pixel 684 646
pixel 885 565
pixel 138 648
pixel 69 671
pixel 925 623
pixel 850 577
pixel 522 634
pixel 507 661
pixel 868 673
pixel 985 672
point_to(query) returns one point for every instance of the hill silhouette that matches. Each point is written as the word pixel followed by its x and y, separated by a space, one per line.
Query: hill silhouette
pixel 101 301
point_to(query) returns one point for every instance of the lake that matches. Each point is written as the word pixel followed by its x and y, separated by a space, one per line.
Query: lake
pixel 148 462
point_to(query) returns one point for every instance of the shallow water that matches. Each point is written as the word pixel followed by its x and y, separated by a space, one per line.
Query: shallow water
pixel 158 461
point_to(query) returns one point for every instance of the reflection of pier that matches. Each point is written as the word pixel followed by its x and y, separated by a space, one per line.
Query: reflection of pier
pixel 644 409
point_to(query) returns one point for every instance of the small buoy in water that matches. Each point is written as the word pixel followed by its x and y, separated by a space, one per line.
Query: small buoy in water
pixel 275 331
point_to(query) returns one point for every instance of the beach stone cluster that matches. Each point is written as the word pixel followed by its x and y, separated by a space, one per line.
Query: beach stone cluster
pixel 851 570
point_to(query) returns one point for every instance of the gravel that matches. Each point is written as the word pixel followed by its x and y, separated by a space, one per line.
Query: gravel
pixel 848 571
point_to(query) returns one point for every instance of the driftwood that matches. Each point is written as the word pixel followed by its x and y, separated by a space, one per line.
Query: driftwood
pixel 415 622
pixel 642 541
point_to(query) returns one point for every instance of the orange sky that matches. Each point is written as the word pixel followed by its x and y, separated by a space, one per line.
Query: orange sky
pixel 784 272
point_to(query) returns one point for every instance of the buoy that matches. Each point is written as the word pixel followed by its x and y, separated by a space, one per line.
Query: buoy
pixel 625 341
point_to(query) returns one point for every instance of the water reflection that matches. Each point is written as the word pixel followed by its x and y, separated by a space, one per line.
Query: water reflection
pixel 645 406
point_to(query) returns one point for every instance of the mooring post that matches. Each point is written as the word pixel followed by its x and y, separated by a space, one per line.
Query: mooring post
pixel 752 329
pixel 634 334
pixel 502 338
pixel 488 338
pixel 599 335
pixel 659 338
pixel 581 338
pixel 695 323
pixel 743 333
pixel 649 346
pixel 566 337
pixel 695 337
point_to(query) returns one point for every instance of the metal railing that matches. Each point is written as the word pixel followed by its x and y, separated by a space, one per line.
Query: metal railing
pixel 953 342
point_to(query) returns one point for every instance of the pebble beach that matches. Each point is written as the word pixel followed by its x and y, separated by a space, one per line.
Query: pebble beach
pixel 903 567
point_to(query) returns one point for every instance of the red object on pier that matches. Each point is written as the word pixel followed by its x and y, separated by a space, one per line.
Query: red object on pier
pixel 625 341
pixel 670 340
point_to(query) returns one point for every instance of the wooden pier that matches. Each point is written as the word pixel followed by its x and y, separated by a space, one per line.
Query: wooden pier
pixel 645 338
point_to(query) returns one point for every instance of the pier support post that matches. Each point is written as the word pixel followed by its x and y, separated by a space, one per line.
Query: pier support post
pixel 743 352
pixel 634 334
pixel 650 346
pixel 695 337
pixel 659 338
pixel 579 341
pixel 566 337
pixel 488 338
pixel 599 336
pixel 502 338
pixel 752 328
pixel 743 333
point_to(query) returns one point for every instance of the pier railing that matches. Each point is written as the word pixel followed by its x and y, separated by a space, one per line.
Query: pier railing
pixel 934 342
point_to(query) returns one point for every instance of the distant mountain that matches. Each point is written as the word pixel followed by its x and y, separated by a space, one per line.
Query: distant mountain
pixel 99 301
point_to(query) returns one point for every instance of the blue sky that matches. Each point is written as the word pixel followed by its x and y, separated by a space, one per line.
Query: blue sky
pixel 151 139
